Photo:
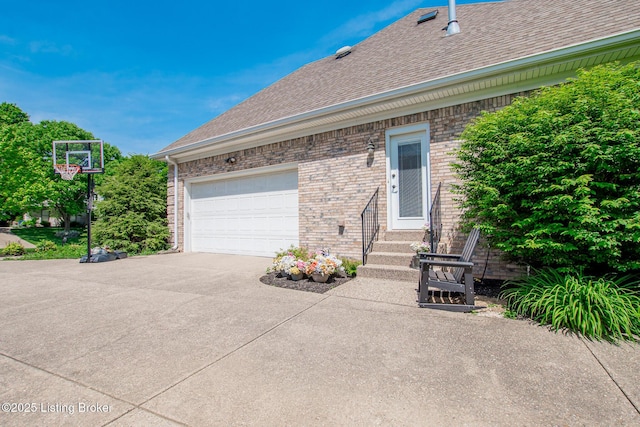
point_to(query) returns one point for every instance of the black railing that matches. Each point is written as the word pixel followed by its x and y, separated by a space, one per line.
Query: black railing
pixel 370 225
pixel 435 221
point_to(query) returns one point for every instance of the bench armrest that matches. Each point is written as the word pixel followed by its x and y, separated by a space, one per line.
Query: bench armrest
pixel 434 255
pixel 446 263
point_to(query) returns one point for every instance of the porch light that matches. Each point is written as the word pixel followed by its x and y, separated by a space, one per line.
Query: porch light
pixel 371 146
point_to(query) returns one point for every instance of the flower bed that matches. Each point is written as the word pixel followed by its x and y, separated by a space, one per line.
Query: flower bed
pixel 297 261
pixel 308 285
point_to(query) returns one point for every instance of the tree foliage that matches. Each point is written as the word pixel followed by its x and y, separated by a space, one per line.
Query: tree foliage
pixel 11 114
pixel 27 180
pixel 132 215
pixel 554 179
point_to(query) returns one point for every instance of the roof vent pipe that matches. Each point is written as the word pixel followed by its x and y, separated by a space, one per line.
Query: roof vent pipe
pixel 452 26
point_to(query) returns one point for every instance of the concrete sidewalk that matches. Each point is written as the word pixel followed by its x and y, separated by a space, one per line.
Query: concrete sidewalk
pixel 6 237
pixel 196 339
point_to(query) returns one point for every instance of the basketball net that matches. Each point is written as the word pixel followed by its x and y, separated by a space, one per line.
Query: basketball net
pixel 67 172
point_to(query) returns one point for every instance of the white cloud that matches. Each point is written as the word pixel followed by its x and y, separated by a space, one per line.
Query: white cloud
pixel 7 40
pixel 49 47
pixel 220 104
pixel 137 113
pixel 364 25
pixel 262 75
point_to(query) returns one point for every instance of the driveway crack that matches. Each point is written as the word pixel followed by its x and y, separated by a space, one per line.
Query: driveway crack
pixel 612 378
pixel 231 352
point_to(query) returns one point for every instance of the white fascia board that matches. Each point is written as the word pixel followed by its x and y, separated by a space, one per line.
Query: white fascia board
pixel 232 141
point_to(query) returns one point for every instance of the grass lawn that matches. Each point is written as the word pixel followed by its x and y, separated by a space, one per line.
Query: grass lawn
pixel 49 246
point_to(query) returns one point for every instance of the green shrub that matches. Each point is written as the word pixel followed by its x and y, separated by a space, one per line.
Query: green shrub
pixel 69 251
pixel 299 252
pixel 350 266
pixel 132 214
pixel 552 180
pixel 12 249
pixel 28 223
pixel 606 308
pixel 46 245
pixel 45 223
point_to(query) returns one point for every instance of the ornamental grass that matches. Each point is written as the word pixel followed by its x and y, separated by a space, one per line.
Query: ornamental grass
pixel 605 308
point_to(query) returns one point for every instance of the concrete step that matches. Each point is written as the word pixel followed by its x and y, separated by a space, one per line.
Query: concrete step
pixel 403 235
pixel 389 272
pixel 390 258
pixel 401 247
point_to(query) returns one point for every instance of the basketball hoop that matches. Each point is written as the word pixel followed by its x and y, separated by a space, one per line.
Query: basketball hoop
pixel 67 172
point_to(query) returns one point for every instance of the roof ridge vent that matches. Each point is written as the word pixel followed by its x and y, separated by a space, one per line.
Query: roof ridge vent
pixel 343 51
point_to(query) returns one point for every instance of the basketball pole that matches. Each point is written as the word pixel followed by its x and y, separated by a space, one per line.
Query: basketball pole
pixel 89 209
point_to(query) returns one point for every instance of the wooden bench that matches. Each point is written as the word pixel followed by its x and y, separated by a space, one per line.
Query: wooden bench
pixel 459 279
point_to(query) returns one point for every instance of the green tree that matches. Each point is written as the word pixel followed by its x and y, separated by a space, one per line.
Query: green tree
pixel 27 180
pixel 554 179
pixel 132 214
pixel 11 114
pixel 67 197
pixel 12 120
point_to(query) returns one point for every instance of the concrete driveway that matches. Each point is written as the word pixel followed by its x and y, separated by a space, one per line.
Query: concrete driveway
pixel 196 339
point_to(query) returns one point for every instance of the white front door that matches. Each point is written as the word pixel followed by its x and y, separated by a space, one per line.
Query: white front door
pixel 408 179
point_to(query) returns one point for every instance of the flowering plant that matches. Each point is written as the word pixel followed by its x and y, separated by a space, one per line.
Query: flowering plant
pixel 324 264
pixel 294 271
pixel 421 246
pixel 288 264
pixel 300 265
pixel 283 264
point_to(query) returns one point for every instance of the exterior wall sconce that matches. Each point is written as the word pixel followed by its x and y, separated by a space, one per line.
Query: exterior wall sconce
pixel 231 160
pixel 371 146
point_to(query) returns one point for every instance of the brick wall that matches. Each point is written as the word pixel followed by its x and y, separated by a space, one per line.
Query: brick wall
pixel 336 178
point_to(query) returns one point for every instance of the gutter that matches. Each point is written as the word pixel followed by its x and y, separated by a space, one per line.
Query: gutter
pixel 175 201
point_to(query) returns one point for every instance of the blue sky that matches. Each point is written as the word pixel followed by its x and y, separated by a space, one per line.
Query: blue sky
pixel 141 74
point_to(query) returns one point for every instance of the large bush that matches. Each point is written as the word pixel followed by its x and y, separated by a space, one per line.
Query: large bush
pixel 132 215
pixel 554 179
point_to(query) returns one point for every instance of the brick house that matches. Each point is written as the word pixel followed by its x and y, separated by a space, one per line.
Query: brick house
pixel 297 162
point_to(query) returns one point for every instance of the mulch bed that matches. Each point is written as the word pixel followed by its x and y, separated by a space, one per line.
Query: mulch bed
pixel 488 288
pixel 308 285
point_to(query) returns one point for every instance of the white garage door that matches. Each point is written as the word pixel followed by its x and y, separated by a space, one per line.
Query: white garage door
pixel 255 215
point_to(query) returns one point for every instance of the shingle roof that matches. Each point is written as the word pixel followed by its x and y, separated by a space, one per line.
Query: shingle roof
pixel 405 54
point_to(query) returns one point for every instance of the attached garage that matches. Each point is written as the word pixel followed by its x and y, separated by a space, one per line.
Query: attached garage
pixel 246 215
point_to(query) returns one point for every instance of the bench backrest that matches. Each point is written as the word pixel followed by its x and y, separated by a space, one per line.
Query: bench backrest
pixel 467 253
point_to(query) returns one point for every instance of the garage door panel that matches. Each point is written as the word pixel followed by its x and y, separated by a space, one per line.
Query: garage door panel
pixel 291 201
pixel 255 215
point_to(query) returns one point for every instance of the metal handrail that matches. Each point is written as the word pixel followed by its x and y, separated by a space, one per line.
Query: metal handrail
pixel 435 221
pixel 370 225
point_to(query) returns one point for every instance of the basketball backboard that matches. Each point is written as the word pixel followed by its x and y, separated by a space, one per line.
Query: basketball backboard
pixel 88 155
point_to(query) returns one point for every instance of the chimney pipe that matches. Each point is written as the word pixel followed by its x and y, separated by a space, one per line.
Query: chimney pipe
pixel 452 26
